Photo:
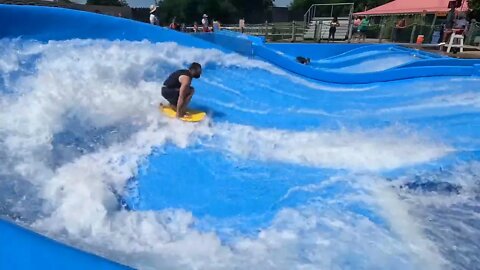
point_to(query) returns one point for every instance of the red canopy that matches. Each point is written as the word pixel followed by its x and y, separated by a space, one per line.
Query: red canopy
pixel 412 6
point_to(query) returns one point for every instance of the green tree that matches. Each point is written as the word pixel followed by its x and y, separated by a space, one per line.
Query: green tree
pixel 108 2
pixel 361 5
pixel 226 11
pixel 474 5
pixel 247 7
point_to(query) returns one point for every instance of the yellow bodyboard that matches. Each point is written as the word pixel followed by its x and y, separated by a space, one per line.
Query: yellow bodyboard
pixel 190 115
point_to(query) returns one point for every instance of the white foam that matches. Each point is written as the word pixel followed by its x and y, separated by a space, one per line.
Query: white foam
pixel 410 229
pixel 378 64
pixel 378 149
pixel 447 209
pixel 100 84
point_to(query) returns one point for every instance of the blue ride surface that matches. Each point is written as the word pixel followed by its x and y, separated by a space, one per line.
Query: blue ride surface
pixel 315 167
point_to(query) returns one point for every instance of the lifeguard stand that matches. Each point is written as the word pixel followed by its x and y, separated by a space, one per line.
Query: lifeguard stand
pixel 456 41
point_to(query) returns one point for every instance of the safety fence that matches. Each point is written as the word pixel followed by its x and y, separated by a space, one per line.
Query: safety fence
pixel 473 34
pixel 233 42
pixel 386 31
pixel 272 31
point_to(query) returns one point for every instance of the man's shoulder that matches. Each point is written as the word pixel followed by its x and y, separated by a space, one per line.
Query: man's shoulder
pixel 183 75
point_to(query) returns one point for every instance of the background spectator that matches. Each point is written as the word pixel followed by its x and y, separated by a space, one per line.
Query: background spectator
pixel 216 25
pixel 401 24
pixel 153 17
pixel 461 22
pixel 356 24
pixel 241 24
pixel 333 28
pixel 205 23
pixel 173 24
pixel 362 29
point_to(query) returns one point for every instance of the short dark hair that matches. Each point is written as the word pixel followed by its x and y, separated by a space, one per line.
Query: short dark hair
pixel 195 66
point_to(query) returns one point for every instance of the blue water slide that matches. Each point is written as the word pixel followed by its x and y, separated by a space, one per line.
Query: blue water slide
pixel 243 194
pixel 328 59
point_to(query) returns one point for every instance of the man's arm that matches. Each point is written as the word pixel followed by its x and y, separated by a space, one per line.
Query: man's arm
pixel 185 84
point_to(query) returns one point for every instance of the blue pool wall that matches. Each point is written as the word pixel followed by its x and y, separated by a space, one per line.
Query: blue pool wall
pixel 429 64
pixel 23 249
pixel 45 23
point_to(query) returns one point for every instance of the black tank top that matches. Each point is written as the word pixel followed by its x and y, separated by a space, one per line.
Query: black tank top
pixel 172 80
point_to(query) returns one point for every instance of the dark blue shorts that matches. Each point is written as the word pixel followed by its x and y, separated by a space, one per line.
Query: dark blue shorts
pixel 171 94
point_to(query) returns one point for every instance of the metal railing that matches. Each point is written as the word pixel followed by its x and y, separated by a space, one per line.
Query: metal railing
pixel 312 11
pixel 473 34
pixel 292 31
pixel 272 31
pixel 386 31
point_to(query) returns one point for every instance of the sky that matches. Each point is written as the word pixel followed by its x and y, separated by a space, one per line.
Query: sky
pixel 147 3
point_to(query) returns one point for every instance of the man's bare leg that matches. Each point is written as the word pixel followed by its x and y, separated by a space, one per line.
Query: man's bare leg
pixel 188 98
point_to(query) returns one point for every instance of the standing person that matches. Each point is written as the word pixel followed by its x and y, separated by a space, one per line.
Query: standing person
pixel 448 28
pixel 362 29
pixel 173 24
pixel 183 27
pixel 177 88
pixel 216 25
pixel 241 24
pixel 195 27
pixel 356 24
pixel 333 28
pixel 153 17
pixel 401 24
pixel 205 23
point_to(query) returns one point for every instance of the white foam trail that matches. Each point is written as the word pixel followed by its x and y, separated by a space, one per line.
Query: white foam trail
pixel 375 191
pixel 377 64
pixel 447 209
pixel 310 112
pixel 467 99
pixel 407 227
pixel 355 150
pixel 226 88
pixel 233 106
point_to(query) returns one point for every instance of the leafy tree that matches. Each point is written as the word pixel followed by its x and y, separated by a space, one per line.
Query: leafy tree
pixel 108 2
pixel 474 5
pixel 246 7
pixel 226 11
pixel 361 5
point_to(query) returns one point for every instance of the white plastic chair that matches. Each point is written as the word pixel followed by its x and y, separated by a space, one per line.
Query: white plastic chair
pixel 456 41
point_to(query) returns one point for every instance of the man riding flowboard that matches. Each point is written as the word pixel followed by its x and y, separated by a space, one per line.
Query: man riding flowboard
pixel 177 87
